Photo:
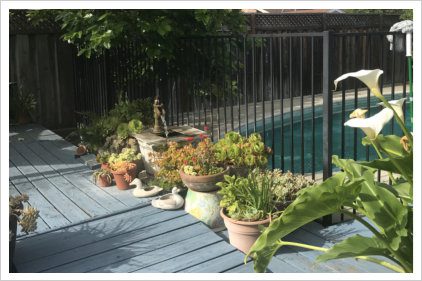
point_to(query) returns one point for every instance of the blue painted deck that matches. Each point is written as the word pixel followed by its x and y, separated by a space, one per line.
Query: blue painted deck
pixel 84 228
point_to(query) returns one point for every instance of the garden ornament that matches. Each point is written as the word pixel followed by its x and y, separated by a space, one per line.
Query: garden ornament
pixel 159 114
pixel 141 191
pixel 170 201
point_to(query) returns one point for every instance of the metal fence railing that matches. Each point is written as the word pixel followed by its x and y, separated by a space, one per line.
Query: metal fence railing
pixel 279 85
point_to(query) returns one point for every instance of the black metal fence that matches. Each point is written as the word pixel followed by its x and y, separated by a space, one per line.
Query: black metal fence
pixel 280 85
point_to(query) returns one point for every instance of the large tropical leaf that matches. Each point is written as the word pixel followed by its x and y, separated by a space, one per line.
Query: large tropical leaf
pixel 353 247
pixel 311 204
pixel 389 144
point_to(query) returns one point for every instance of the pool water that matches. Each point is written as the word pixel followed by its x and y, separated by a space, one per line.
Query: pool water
pixel 282 137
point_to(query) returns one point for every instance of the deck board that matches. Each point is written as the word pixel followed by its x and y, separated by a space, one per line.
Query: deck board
pixel 84 228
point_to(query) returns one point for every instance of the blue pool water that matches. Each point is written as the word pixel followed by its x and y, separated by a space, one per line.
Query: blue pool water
pixel 282 136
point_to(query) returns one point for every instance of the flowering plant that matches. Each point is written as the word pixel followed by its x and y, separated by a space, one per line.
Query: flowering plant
pixel 388 208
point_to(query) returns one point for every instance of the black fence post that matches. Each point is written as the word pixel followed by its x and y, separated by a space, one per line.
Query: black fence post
pixel 327 124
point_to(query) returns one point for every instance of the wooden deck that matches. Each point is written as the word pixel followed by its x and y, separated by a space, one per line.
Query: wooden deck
pixel 84 228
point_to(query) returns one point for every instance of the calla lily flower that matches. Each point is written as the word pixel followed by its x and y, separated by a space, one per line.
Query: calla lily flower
pixel 358 113
pixel 368 77
pixel 373 125
pixel 397 105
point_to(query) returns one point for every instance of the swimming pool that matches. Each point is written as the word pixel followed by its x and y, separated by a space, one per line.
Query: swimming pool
pixel 283 149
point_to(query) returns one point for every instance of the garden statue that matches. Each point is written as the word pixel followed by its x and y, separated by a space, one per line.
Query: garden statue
pixel 159 113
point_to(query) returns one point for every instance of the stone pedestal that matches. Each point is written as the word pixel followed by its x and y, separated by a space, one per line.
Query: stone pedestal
pixel 150 142
pixel 205 206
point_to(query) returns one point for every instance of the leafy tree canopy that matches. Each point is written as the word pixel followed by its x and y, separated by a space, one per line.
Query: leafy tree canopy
pixel 92 31
pixel 404 14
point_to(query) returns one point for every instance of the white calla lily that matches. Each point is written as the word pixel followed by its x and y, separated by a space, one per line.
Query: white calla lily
pixel 373 125
pixel 397 105
pixel 368 77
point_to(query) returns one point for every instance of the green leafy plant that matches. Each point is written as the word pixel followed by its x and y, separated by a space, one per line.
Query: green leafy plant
pixel 236 150
pixel 388 208
pixel 102 131
pixel 135 126
pixel 102 156
pixel 248 199
pixel 123 131
pixel 127 155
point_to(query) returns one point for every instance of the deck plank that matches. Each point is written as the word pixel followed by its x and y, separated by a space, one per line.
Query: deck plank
pixel 65 205
pixel 191 258
pixel 82 254
pixel 244 268
pixel 218 264
pixel 109 260
pixel 52 216
pixel 82 234
pixel 73 173
pixel 86 203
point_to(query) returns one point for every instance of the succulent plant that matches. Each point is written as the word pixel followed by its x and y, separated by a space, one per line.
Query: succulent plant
pixel 26 215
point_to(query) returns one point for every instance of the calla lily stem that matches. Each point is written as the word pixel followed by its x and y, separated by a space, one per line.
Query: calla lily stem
pixel 375 145
pixel 321 249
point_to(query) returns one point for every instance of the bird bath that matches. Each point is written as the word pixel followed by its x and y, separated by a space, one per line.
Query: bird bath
pixel 150 142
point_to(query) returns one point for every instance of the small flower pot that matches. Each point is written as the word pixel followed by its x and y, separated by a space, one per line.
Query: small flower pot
pixel 242 234
pixel 203 183
pixel 81 150
pixel 103 181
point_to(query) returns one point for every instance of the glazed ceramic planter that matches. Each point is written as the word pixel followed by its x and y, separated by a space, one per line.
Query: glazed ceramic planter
pixel 203 183
pixel 205 206
pixel 243 234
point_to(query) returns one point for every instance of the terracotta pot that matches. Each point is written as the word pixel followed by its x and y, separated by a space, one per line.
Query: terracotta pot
pixel 120 180
pixel 103 181
pixel 24 118
pixel 243 234
pixel 81 150
pixel 203 183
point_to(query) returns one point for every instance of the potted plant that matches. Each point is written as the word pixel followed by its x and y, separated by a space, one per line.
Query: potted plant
pixel 251 202
pixel 26 217
pixel 22 105
pixel 102 158
pixel 127 155
pixel 201 170
pixel 242 154
pixel 102 177
pixel 123 173
pixel 287 187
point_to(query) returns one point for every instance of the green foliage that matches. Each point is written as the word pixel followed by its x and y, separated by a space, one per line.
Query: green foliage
pixel 135 126
pixel 248 199
pixel 239 151
pixel 404 14
pixel 354 187
pixel 102 156
pixel 98 134
pixel 260 194
pixel 93 31
pixel 123 131
pixel 127 155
